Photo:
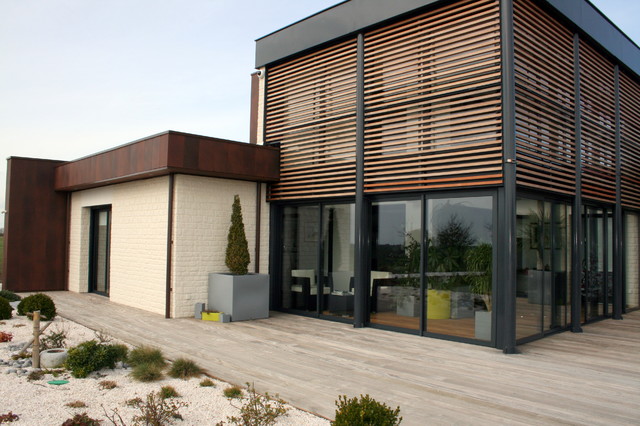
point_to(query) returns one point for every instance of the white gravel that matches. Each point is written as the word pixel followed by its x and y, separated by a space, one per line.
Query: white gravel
pixel 39 403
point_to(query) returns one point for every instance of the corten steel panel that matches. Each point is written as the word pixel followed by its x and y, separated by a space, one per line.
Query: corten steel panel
pixel 170 152
pixel 35 227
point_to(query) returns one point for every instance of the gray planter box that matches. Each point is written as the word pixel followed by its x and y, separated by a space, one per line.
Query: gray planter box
pixel 483 325
pixel 244 297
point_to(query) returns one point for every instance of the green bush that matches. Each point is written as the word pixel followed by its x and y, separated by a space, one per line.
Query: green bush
pixel 38 302
pixel 81 420
pixel 183 368
pixel 146 355
pixel 168 392
pixel 206 383
pixel 258 409
pixel 364 411
pixel 147 372
pixel 92 356
pixel 10 296
pixel 5 309
pixel 232 392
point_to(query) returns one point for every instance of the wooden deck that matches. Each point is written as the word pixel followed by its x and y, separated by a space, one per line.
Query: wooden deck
pixel 589 378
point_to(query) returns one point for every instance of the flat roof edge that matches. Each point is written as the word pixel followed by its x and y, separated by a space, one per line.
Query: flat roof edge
pixel 352 16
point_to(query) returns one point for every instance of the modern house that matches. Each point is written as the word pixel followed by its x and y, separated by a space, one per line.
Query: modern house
pixel 468 170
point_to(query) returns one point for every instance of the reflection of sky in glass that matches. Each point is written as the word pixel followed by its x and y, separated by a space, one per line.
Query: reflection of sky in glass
pixel 475 212
pixel 398 219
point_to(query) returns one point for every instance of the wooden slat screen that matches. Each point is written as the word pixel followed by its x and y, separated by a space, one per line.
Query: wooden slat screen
pixel 433 100
pixel 545 100
pixel 630 140
pixel 597 107
pixel 310 115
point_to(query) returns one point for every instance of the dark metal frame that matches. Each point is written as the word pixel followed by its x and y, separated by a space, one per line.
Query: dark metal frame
pixel 93 248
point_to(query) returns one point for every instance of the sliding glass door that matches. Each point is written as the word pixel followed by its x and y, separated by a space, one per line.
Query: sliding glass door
pixel 318 244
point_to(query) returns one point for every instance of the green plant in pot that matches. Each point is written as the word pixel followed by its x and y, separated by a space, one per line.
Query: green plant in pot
pixel 240 294
pixel 237 256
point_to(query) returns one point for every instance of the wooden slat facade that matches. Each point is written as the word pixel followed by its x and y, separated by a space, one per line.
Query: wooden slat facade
pixel 311 116
pixel 433 100
pixel 597 113
pixel 545 101
pixel 630 140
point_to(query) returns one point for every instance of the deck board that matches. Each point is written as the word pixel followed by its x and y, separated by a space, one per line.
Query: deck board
pixel 587 378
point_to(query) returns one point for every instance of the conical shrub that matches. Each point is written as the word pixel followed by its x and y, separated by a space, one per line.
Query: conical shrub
pixel 237 256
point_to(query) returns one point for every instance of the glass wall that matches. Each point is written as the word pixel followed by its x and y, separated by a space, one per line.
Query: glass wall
pixel 543 280
pixel 632 260
pixel 338 243
pixel 459 266
pixel 317 261
pixel 394 297
pixel 301 225
pixel 597 277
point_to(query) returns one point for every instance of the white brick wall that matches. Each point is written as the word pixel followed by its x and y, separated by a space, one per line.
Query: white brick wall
pixel 138 241
pixel 139 219
pixel 202 216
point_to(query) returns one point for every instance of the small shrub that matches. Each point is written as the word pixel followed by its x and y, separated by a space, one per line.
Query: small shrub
pixel 76 404
pixel 207 383
pixel 147 372
pixel 38 302
pixel 168 392
pixel 91 356
pixel 5 309
pixel 146 355
pixel 258 410
pixel 107 384
pixel 237 256
pixel 9 417
pixel 10 296
pixel 183 368
pixel 155 410
pixel 81 420
pixel 54 339
pixel 232 392
pixel 35 375
pixel 5 337
pixel 364 411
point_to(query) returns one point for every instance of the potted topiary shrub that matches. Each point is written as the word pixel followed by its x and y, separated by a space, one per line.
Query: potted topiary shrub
pixel 243 295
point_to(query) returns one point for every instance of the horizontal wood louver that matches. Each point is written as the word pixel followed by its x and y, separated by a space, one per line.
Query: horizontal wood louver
pixel 433 100
pixel 545 101
pixel 630 140
pixel 310 115
pixel 597 111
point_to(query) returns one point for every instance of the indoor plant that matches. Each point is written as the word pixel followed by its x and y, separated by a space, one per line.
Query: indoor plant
pixel 479 261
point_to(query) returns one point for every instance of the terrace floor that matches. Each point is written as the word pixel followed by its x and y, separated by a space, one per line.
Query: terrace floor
pixel 587 378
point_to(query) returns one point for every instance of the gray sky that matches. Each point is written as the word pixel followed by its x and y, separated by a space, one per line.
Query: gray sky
pixel 81 76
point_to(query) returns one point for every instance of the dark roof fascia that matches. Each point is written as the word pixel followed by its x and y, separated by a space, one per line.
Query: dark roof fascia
pixel 352 16
pixel 598 27
pixel 336 22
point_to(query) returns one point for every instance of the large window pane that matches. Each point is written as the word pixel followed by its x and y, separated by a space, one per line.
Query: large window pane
pixel 459 266
pixel 395 264
pixel 338 242
pixel 301 226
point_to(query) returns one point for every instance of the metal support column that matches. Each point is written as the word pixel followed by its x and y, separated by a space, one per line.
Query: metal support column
pixel 577 240
pixel 506 317
pixel 618 263
pixel 361 266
